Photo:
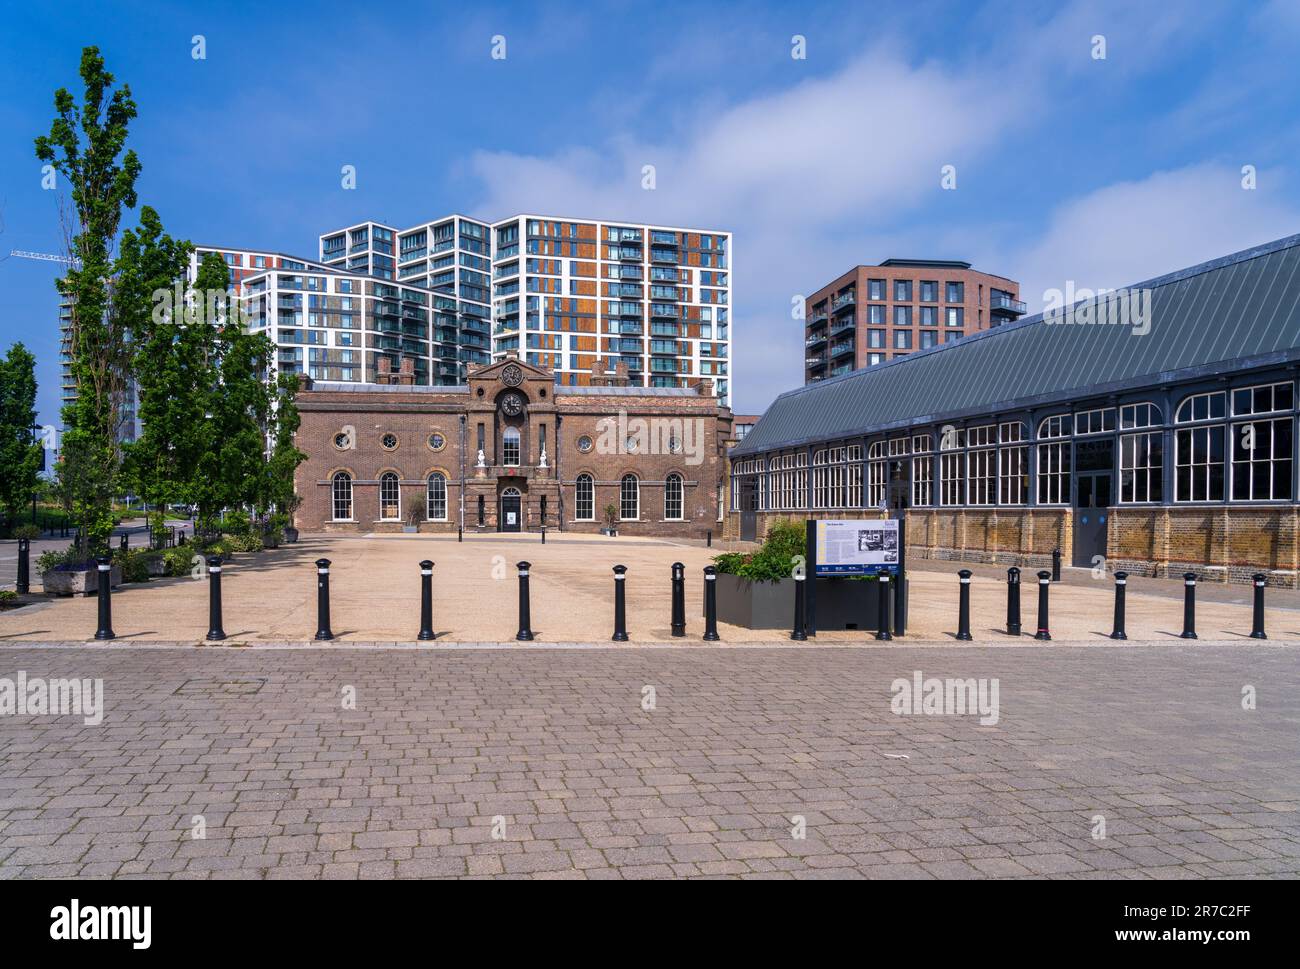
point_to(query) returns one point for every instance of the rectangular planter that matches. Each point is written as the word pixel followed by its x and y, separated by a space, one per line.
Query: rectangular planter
pixel 75 583
pixel 841 603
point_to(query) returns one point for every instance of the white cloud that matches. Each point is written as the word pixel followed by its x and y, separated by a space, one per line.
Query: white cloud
pixel 792 174
pixel 1132 231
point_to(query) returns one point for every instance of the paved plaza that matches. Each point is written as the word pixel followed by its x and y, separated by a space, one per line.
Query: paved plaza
pixel 545 762
pixel 270 597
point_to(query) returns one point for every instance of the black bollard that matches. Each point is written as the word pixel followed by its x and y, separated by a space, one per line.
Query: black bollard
pixel 23 585
pixel 708 538
pixel 543 534
pixel 426 601
pixel 620 604
pixel 323 600
pixel 963 605
pixel 525 616
pixel 104 568
pixel 1013 601
pixel 1121 586
pixel 1257 625
pixel 710 603
pixel 124 542
pixel 460 533
pixel 1056 565
pixel 1044 581
pixel 1189 606
pixel 800 630
pixel 679 599
pixel 214 598
pixel 882 618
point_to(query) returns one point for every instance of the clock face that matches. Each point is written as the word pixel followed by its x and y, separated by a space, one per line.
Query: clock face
pixel 512 376
pixel 512 404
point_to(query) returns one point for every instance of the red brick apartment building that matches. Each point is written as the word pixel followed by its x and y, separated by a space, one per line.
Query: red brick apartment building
pixel 876 313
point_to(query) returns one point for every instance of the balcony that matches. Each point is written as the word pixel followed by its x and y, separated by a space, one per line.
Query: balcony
pixel 839 349
pixel 664 311
pixel 841 302
pixel 818 318
pixel 840 325
pixel 658 254
pixel 816 360
pixel 1002 303
pixel 625 253
pixel 815 340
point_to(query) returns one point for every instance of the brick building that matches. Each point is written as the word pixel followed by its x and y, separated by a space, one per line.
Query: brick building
pixel 510 451
pixel 1151 429
pixel 876 313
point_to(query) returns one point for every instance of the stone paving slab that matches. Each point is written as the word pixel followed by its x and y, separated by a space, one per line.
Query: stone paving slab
pixel 539 762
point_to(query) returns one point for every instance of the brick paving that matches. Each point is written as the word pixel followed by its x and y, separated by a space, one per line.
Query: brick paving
pixel 541 763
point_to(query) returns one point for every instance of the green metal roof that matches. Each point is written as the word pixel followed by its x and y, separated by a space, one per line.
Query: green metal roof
pixel 1233 313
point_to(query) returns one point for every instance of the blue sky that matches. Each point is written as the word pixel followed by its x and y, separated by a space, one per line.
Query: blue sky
pixel 1104 172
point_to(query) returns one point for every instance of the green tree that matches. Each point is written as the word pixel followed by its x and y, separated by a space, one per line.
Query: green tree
pixel 20 455
pixel 283 461
pixel 171 361
pixel 231 466
pixel 87 146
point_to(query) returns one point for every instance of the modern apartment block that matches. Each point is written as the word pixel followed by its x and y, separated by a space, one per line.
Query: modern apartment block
pixel 572 295
pixel 876 313
pixel 430 301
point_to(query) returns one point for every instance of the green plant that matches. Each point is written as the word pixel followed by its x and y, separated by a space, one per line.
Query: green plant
pixel 180 559
pixel 27 531
pixel 237 523
pixel 134 564
pixel 611 515
pixel 8 597
pixel 783 546
pixel 53 559
pixel 240 543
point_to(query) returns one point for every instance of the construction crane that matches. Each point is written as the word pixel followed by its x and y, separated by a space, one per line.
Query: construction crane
pixel 45 256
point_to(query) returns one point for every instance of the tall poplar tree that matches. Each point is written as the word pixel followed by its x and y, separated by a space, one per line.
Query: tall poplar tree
pixel 87 146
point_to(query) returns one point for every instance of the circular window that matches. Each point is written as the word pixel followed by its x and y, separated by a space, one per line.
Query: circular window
pixel 630 444
pixel 541 392
pixel 674 445
pixel 343 440
pixel 437 442
pixel 388 442
pixel 584 444
pixel 480 391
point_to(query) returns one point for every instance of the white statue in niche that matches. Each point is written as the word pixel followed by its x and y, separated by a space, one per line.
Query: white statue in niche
pixel 481 463
pixel 542 460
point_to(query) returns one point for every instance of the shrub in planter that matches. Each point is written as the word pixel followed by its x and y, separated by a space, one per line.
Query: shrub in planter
pixel 8 598
pixel 134 565
pixel 248 542
pixel 179 560
pixel 28 532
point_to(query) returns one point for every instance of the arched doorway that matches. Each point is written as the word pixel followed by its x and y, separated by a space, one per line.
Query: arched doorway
pixel 511 518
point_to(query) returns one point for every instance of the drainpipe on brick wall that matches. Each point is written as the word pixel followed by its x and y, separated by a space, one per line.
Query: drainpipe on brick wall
pixel 462 473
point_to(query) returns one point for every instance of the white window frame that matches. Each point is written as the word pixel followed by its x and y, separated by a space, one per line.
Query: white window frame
pixel 669 499
pixel 393 478
pixel 341 477
pixel 431 498
pixel 590 483
pixel 634 501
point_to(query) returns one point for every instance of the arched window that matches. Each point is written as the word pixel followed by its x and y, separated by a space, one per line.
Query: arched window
pixel 673 498
pixel 510 447
pixel 630 498
pixel 390 497
pixel 342 497
pixel 437 497
pixel 585 499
